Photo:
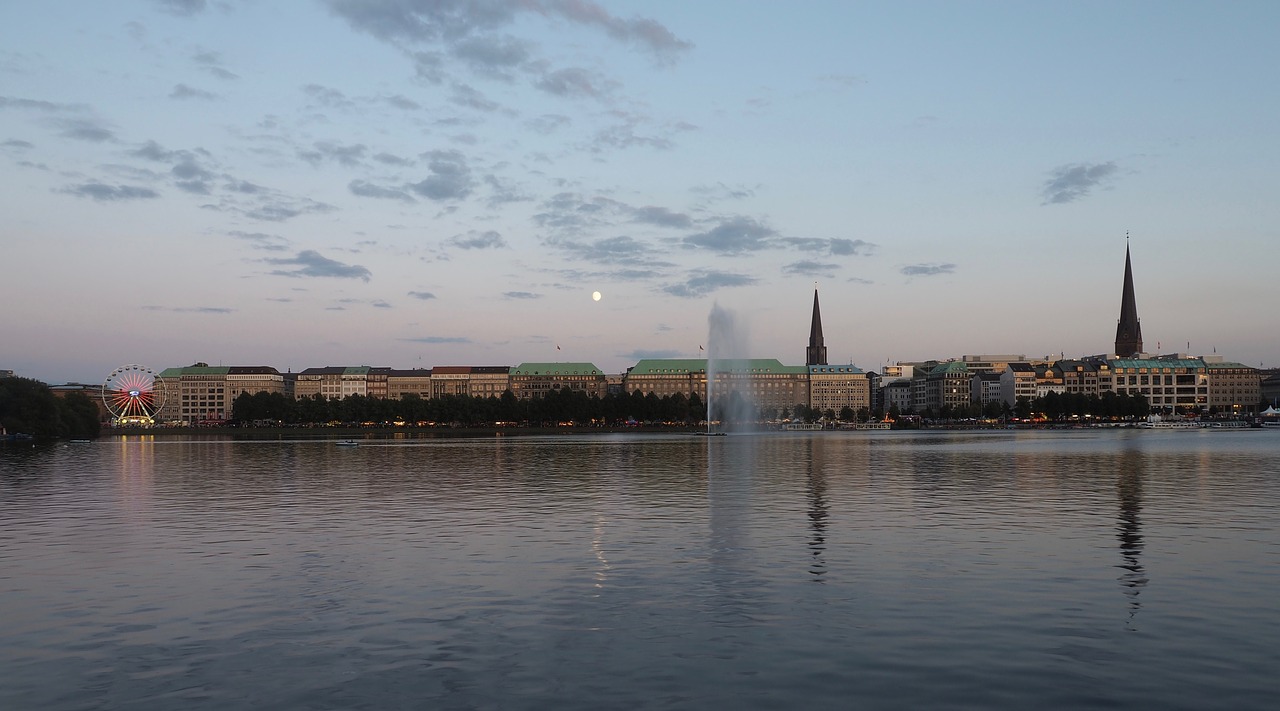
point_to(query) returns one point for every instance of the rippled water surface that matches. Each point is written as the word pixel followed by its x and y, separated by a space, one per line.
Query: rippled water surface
pixel 799 570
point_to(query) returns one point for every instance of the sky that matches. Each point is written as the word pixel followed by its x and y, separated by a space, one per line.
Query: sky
pixel 412 183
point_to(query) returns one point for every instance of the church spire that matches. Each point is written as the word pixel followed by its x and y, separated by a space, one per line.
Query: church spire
pixel 816 353
pixel 1128 330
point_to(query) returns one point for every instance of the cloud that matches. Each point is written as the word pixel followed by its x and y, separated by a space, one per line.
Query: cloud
pixel 278 208
pixel 928 269
pixel 262 241
pixel 437 339
pixel 450 177
pixel 9 102
pixel 182 91
pixel 484 240
pixel 422 295
pixel 472 98
pixel 704 282
pixel 547 123
pixel 380 304
pixel 350 155
pixel 185 8
pixel 389 159
pixel 661 216
pixel 211 62
pixel 835 246
pixel 402 102
pixel 85 130
pixel 367 189
pixel 521 295
pixel 16 143
pixel 468 29
pixel 575 82
pixel 492 54
pixel 190 309
pixel 310 263
pixel 733 236
pixel 325 96
pixel 109 193
pixel 1069 183
pixel 810 268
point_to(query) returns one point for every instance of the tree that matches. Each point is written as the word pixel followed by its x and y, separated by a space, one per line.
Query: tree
pixel 847 414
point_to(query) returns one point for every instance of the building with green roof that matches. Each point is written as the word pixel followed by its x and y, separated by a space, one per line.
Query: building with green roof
pixel 529 380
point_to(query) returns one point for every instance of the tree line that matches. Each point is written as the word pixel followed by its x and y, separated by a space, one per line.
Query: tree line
pixel 29 407
pixel 460 410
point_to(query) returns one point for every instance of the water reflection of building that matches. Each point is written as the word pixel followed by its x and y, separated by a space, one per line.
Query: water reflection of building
pixel 816 490
pixel 1129 528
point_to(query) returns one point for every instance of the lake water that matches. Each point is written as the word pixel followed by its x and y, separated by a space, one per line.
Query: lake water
pixel 1072 569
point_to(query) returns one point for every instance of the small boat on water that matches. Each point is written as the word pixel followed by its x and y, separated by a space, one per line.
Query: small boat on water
pixel 1155 422
pixel 347 443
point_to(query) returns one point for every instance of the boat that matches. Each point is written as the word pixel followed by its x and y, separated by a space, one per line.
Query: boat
pixel 347 443
pixel 1155 422
pixel 802 427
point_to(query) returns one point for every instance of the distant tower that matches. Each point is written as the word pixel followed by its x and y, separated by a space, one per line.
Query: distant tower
pixel 816 353
pixel 1128 330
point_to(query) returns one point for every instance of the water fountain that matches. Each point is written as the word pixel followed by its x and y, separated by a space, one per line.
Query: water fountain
pixel 727 338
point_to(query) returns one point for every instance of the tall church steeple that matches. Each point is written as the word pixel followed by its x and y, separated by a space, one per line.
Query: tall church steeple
pixel 816 353
pixel 1129 329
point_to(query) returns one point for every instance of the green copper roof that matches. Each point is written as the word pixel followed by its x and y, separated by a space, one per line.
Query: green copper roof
pixel 1154 363
pixel 955 367
pixel 556 369
pixel 194 370
pixel 684 366
pixel 1211 366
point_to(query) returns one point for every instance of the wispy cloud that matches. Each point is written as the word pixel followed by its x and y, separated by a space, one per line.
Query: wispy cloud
pixel 811 268
pixel 182 91
pixel 422 295
pixel 733 236
pixel 311 263
pixel 190 309
pixel 109 193
pixel 437 339
pixel 366 189
pixel 521 295
pixel 262 240
pixel 927 269
pixel 1069 183
pixel 704 282
pixel 483 240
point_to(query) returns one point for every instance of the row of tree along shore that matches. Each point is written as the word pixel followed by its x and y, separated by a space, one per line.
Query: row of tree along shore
pixel 29 409
pixel 28 406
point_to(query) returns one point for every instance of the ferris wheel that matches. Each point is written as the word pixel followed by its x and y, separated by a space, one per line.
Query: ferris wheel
pixel 133 394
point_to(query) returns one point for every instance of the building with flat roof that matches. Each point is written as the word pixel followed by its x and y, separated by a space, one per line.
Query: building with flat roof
pixel 835 387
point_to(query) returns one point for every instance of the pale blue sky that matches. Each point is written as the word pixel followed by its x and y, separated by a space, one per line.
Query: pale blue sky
pixel 411 183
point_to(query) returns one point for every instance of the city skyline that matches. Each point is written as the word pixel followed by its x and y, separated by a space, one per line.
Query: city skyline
pixel 422 184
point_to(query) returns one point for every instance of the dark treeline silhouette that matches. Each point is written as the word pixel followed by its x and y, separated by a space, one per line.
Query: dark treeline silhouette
pixel 30 407
pixel 556 407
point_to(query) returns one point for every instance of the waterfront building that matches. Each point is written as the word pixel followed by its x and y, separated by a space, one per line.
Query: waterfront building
pixel 529 380
pixel 896 393
pixel 947 385
pixel 1049 380
pixel 834 387
pixel 202 393
pixel 1018 381
pixel 1170 384
pixel 1078 376
pixel 816 353
pixel 1269 389
pixel 1128 328
pixel 1234 388
pixel 768 384
pixel 450 380
pixel 334 382
pixel 984 388
pixel 489 380
pixel 409 382
pixel 992 363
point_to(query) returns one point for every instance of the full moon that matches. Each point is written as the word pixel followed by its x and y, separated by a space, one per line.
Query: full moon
pixel 595 296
